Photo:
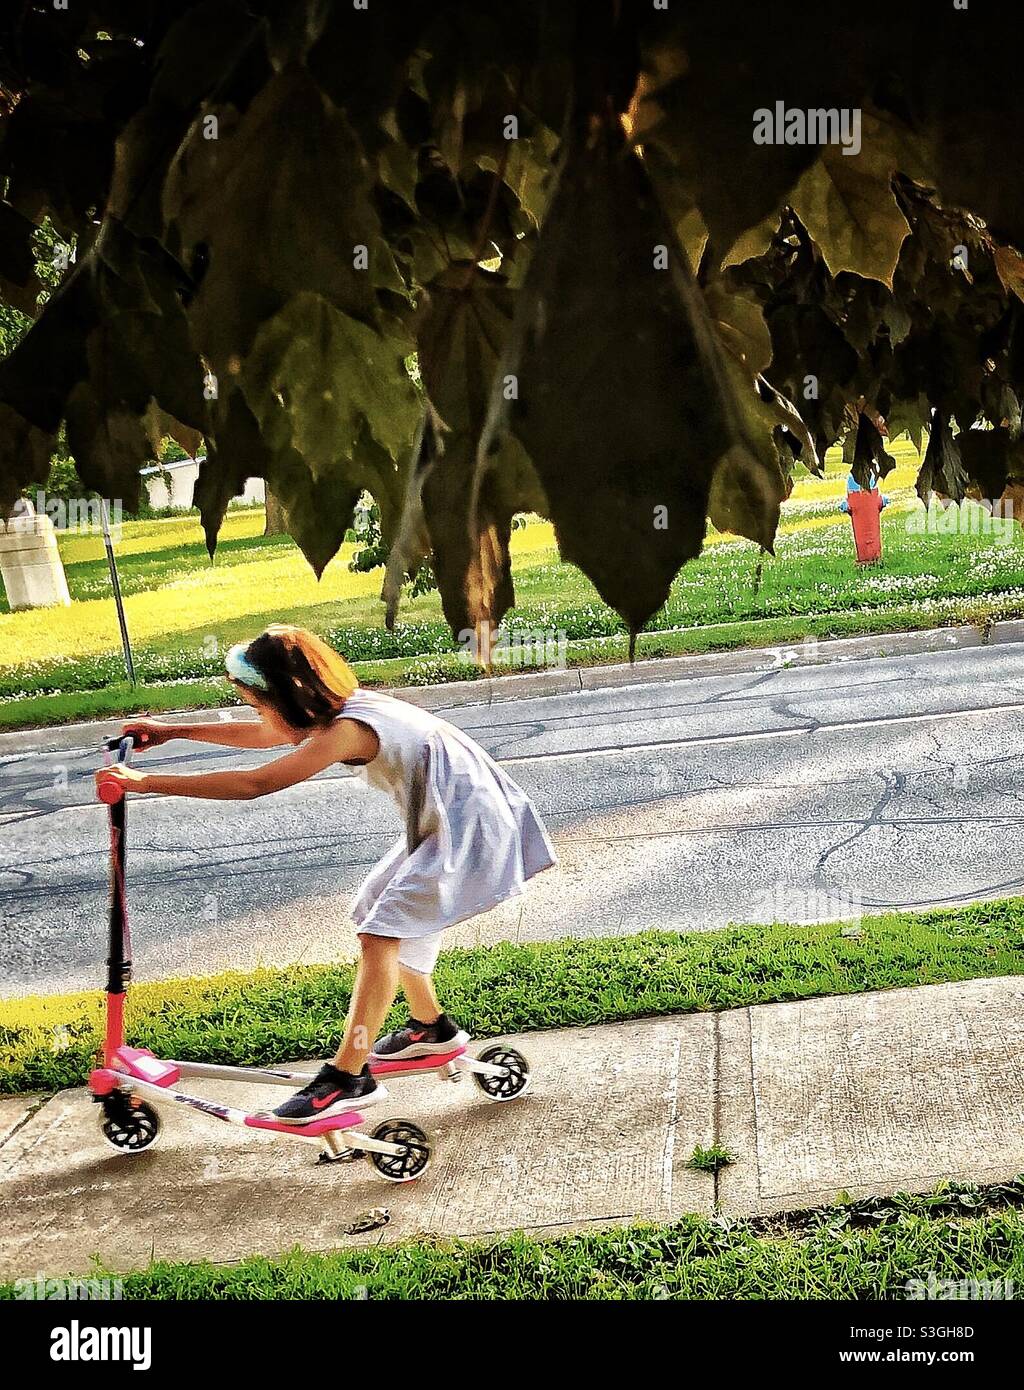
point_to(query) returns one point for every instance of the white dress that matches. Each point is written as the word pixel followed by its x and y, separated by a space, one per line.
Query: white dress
pixel 473 837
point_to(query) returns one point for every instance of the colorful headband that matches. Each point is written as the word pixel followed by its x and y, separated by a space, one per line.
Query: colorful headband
pixel 240 668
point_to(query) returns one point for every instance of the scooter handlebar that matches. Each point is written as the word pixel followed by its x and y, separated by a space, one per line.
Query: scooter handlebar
pixel 110 792
pixel 122 745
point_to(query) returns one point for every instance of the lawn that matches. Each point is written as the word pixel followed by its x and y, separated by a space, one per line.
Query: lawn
pixel 183 609
pixel 868 1249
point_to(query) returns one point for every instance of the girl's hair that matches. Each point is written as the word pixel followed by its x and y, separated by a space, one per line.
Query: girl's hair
pixel 307 681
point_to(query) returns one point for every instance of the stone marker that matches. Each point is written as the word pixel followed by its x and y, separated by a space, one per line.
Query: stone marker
pixel 30 563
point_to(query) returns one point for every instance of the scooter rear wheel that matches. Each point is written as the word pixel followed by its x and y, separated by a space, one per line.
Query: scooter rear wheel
pixel 516 1080
pixel 408 1165
pixel 131 1129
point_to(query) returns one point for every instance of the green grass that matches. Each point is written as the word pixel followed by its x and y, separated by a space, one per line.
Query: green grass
pixel 116 700
pixel 858 1251
pixel 48 1042
pixel 710 1160
pixel 144 572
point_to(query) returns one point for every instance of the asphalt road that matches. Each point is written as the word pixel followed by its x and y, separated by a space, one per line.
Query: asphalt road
pixel 795 794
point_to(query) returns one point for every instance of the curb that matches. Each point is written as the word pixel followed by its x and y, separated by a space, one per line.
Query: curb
pixel 497 690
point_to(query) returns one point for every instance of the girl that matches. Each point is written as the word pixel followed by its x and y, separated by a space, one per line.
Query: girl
pixel 472 836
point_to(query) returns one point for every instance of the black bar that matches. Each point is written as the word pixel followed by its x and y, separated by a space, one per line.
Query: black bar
pixel 816 1336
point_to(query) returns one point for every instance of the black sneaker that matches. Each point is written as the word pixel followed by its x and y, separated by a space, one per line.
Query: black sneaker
pixel 330 1092
pixel 420 1040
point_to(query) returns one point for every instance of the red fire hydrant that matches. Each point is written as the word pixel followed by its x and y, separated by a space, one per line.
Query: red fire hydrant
pixel 864 506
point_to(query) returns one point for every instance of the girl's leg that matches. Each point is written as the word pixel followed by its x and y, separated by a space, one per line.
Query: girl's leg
pixel 375 989
pixel 338 1088
pixel 429 1030
pixel 419 992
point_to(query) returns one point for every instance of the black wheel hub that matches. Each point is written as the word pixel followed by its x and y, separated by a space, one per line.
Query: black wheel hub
pixel 127 1126
pixel 414 1158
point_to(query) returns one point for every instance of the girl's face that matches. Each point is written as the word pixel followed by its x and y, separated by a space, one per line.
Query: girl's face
pixel 280 727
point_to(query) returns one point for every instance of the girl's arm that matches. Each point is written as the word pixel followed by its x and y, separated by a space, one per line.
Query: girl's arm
pixel 240 733
pixel 342 741
pixel 247 733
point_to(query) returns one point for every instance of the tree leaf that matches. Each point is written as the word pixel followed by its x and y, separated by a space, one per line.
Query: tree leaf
pixel 1010 268
pixel 315 374
pixel 813 365
pixel 993 462
pixel 235 452
pixel 109 446
pixel 848 207
pixel 217 193
pixel 942 470
pixel 870 461
pixel 701 119
pixel 613 380
pixel 753 242
pixel 24 456
pixel 462 329
pixel 910 417
pixel 739 320
pixel 471 555
pixel 19 285
pixel 750 482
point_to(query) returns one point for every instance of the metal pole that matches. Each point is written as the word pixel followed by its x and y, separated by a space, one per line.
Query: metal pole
pixel 125 643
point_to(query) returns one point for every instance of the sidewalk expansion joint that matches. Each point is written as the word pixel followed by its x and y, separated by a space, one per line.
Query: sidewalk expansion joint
pixel 29 1114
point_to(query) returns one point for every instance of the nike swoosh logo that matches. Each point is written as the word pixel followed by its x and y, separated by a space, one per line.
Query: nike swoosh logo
pixel 416 1037
pixel 319 1104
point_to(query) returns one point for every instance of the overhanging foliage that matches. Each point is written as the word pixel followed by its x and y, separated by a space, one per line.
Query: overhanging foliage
pixel 629 312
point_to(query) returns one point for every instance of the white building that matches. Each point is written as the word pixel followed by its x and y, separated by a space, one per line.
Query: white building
pixel 171 484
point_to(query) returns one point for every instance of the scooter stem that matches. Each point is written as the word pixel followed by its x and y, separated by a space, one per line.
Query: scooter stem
pixel 119 957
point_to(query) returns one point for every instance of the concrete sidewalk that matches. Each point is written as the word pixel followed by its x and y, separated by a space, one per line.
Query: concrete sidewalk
pixel 865 1094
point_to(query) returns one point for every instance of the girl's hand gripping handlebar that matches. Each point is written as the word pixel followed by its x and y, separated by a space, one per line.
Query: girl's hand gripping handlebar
pixel 113 780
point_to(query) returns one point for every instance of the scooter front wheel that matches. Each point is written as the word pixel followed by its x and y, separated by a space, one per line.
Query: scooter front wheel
pixel 412 1162
pixel 129 1128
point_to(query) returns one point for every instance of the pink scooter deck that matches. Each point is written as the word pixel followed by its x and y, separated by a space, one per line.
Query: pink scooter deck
pixel 351 1119
pixel 141 1064
pixel 408 1065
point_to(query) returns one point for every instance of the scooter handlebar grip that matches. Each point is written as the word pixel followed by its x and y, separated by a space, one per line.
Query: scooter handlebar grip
pixel 109 792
